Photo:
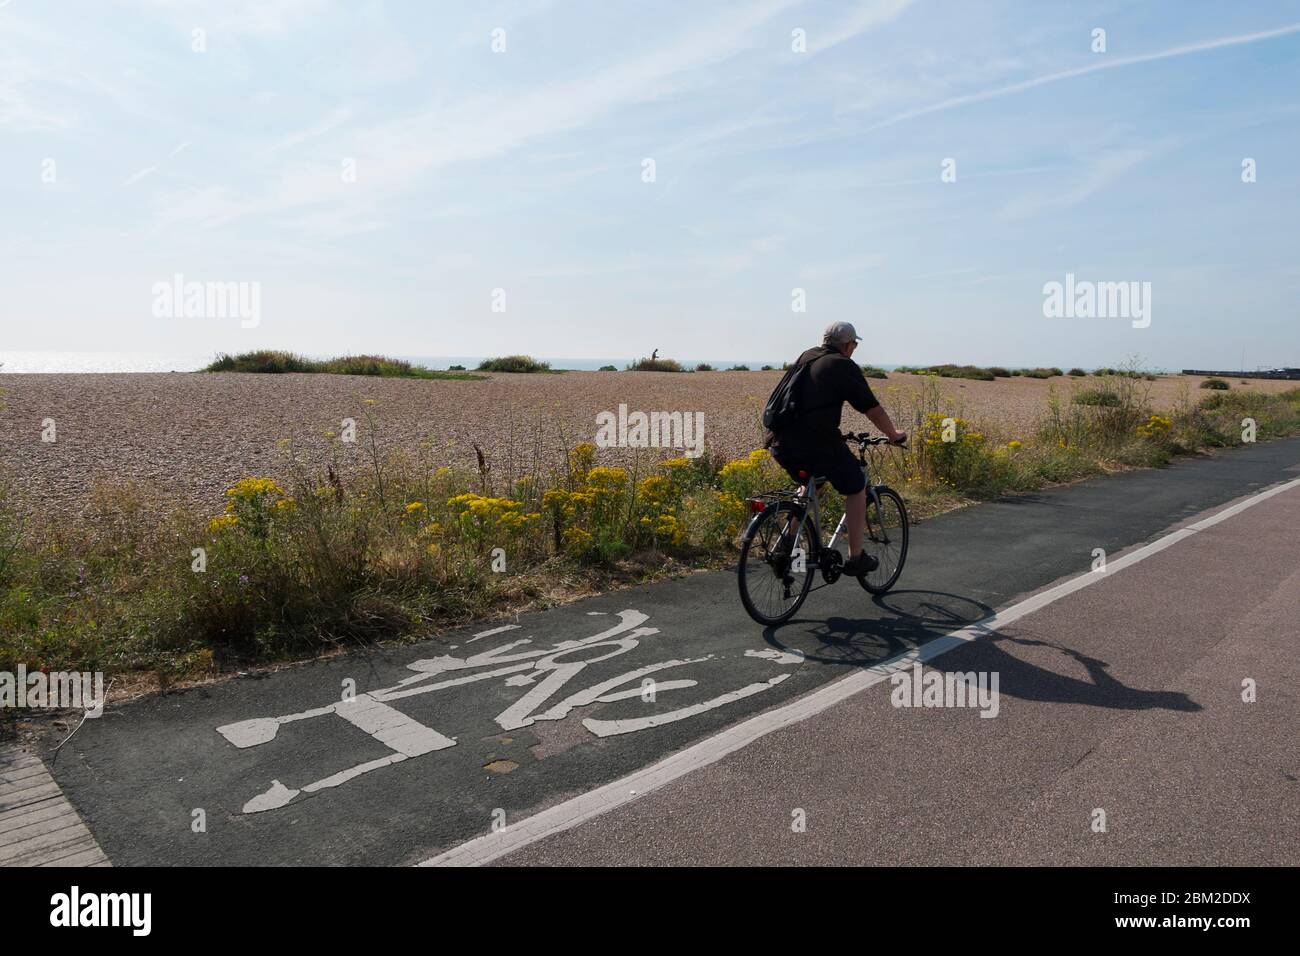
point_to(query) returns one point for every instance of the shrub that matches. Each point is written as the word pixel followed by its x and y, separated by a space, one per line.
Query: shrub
pixel 1217 384
pixel 1156 428
pixel 655 364
pixel 1097 396
pixel 748 476
pixel 999 372
pixel 704 367
pixel 1041 372
pixel 513 363
pixel 959 371
pixel 607 368
pixel 1078 372
pixel 872 371
pixel 738 368
pixel 264 360
pixel 273 362
pixel 1221 414
pixel 1103 423
pixel 11 526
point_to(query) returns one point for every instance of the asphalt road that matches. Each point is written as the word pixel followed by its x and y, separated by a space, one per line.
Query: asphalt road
pixel 471 730
pixel 1121 704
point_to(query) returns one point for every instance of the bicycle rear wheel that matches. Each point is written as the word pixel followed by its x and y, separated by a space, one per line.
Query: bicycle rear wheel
pixel 885 540
pixel 775 569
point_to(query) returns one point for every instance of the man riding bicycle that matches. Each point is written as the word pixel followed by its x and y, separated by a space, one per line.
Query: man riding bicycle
pixel 812 442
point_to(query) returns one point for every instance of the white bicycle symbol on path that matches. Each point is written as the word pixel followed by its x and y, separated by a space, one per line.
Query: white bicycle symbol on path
pixel 546 670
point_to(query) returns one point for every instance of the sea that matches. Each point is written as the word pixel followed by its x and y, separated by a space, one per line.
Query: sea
pixel 33 361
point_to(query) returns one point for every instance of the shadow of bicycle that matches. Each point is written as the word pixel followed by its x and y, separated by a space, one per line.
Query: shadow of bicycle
pixel 907 620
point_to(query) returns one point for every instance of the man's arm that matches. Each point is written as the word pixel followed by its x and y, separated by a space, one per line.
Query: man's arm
pixel 880 418
pixel 860 396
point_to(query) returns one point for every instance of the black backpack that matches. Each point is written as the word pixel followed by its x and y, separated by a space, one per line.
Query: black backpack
pixel 783 405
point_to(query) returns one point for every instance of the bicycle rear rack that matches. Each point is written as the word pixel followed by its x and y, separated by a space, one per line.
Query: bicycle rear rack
pixel 761 502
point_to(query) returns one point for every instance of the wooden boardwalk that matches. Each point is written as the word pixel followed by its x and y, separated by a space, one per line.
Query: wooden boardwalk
pixel 38 826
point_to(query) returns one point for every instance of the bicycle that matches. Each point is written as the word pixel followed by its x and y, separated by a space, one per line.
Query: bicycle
pixel 781 550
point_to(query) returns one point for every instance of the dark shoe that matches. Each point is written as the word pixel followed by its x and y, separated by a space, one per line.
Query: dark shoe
pixel 862 564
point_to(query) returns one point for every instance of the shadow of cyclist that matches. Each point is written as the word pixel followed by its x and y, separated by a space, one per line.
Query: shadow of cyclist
pixel 914 618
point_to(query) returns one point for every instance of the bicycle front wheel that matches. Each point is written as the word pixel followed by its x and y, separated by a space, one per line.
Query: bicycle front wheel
pixel 775 570
pixel 885 540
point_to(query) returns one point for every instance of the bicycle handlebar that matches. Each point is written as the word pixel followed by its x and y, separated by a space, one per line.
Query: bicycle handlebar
pixel 863 438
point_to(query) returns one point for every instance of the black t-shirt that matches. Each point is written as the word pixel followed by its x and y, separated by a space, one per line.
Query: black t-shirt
pixel 831 380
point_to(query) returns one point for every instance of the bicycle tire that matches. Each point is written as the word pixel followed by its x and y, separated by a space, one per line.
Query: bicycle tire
pixel 886 576
pixel 754 538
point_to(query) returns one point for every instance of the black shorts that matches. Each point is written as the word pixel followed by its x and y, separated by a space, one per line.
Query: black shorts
pixel 834 462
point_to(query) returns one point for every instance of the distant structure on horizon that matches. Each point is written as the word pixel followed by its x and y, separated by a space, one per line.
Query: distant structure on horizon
pixel 1284 373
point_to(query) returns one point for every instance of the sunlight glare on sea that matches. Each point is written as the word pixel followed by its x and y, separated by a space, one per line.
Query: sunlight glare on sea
pixel 11 362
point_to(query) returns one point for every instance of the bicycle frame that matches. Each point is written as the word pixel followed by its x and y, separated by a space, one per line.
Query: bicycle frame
pixel 813 503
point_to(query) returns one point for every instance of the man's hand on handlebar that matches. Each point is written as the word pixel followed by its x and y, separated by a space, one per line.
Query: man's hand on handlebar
pixel 900 438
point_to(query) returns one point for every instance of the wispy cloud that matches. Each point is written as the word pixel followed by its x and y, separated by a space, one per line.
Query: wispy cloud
pixel 1103 64
pixel 832 269
pixel 139 175
pixel 394 154
pixel 866 17
pixel 336 118
pixel 1098 175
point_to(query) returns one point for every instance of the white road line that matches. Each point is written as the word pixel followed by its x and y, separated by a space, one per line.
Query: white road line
pixel 577 810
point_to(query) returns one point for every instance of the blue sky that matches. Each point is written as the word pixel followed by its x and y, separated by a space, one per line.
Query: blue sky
pixel 774 170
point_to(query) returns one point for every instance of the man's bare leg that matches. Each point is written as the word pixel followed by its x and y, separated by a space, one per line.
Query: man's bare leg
pixel 855 515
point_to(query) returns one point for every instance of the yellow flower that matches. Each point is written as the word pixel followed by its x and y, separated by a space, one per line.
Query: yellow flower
pixel 1013 444
pixel 249 488
pixel 414 506
pixel 606 479
pixel 580 461
pixel 222 522
pixel 577 539
pixel 654 489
